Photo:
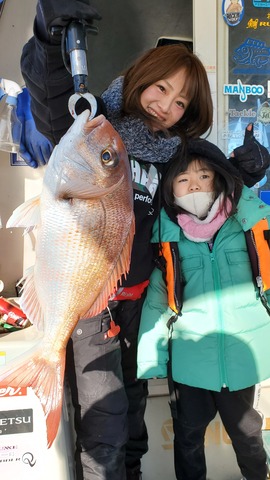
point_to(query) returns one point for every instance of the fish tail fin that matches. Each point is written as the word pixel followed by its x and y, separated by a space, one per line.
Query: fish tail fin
pixel 46 378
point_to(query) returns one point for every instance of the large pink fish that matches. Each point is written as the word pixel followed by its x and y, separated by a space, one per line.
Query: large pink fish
pixel 85 229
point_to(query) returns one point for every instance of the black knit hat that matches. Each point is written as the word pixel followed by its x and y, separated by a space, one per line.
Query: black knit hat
pixel 203 148
pixel 228 179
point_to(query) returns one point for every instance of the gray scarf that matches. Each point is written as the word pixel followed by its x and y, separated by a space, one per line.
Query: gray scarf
pixel 139 141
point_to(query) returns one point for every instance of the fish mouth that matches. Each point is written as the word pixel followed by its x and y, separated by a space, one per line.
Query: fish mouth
pixel 94 123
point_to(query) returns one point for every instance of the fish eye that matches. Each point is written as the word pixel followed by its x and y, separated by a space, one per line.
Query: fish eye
pixel 109 157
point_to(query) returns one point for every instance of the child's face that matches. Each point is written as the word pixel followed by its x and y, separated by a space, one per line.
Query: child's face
pixel 165 100
pixel 197 178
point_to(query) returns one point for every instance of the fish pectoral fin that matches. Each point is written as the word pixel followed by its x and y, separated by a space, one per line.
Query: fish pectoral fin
pixel 27 215
pixel 29 301
pixel 121 268
pixel 82 190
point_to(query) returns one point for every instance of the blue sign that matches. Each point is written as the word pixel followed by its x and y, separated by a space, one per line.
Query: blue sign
pixel 261 3
pixel 252 56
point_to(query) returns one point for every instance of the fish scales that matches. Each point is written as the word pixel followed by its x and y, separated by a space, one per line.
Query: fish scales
pixel 83 246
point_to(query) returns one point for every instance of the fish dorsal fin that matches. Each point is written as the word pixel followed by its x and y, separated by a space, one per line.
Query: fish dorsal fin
pixel 121 268
pixel 29 301
pixel 26 215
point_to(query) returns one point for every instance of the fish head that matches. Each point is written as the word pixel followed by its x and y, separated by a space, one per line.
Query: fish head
pixel 89 161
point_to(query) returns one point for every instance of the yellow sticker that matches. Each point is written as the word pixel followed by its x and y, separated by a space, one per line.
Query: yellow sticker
pixel 2 358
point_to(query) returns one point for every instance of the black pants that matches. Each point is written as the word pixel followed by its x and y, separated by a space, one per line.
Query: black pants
pixel 195 409
pixel 94 373
pixel 109 412
pixel 128 317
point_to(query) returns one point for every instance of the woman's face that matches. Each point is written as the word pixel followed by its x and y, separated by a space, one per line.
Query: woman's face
pixel 197 178
pixel 165 100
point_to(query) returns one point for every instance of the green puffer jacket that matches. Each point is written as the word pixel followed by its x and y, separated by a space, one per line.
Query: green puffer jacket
pixel 223 336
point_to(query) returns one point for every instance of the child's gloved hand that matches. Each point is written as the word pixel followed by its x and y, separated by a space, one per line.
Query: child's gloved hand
pixel 35 149
pixel 252 156
pixel 252 159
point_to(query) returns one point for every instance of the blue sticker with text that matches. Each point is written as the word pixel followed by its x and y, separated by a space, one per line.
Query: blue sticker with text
pixel 242 90
pixel 261 3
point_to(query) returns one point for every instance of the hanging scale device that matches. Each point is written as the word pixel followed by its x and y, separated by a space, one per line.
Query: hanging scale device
pixel 74 48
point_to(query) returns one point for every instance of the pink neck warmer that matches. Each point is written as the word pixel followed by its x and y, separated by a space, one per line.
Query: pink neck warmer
pixel 203 230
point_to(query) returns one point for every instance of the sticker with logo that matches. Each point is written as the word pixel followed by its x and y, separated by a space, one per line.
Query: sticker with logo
pixel 29 459
pixel 264 114
pixel 261 3
pixel 233 11
pixel 245 113
pixel 16 421
pixel 255 23
pixel 252 57
pixel 13 392
pixel 145 181
pixel 242 90
pixel 9 453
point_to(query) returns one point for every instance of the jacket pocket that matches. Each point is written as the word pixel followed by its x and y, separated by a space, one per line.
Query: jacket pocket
pixel 193 262
pixel 236 257
pixel 239 267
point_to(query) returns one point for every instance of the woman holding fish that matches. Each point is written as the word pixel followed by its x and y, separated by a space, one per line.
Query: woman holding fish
pixel 160 101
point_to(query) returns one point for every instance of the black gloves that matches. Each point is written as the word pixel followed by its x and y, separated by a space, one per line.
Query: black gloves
pixel 59 13
pixel 251 159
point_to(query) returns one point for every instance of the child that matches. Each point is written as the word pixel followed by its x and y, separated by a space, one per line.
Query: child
pixel 216 348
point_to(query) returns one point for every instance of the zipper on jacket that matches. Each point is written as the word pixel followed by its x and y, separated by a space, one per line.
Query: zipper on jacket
pixel 217 287
pixel 258 277
pixel 177 271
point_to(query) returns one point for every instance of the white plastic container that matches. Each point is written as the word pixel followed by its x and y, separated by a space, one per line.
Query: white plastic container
pixel 23 440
